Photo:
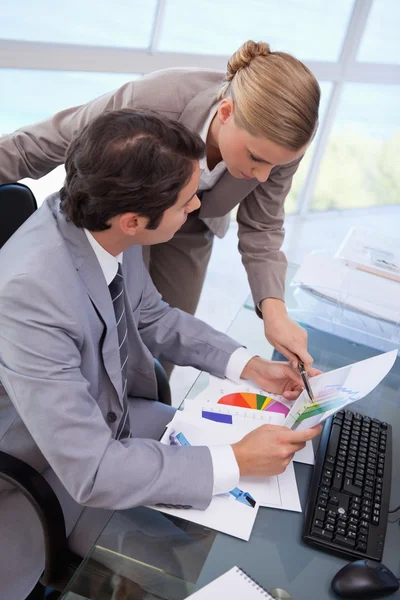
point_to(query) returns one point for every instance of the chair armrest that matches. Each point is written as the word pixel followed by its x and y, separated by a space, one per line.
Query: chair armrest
pixel 45 502
pixel 164 391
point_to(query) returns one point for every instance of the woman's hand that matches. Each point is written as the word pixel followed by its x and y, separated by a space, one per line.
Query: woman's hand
pixel 276 377
pixel 287 336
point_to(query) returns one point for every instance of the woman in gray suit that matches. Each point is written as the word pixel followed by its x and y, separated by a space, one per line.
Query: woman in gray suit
pixel 257 120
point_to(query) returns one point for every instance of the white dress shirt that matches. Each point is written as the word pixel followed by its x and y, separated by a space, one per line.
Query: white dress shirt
pixel 225 467
pixel 209 178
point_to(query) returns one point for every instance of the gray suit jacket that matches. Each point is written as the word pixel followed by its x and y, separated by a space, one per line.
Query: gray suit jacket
pixel 60 370
pixel 186 95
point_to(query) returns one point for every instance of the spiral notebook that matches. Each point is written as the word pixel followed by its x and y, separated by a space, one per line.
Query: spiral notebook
pixel 235 585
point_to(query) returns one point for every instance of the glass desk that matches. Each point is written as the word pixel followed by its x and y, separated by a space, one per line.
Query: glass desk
pixel 275 555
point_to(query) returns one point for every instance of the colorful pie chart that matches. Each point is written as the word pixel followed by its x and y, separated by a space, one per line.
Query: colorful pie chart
pixel 255 401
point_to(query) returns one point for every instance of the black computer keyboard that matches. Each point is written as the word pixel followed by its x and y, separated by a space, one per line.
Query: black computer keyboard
pixel 348 500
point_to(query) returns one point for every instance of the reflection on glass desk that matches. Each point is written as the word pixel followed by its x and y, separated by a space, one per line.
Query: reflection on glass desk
pixel 181 557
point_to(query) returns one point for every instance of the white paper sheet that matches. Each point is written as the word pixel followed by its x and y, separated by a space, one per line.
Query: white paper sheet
pixel 224 512
pixel 209 401
pixel 233 585
pixel 244 420
pixel 218 388
pixel 336 389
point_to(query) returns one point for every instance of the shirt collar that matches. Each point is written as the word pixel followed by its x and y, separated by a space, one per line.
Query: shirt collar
pixel 108 262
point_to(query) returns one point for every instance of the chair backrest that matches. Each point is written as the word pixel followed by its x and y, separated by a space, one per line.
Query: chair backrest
pixel 17 203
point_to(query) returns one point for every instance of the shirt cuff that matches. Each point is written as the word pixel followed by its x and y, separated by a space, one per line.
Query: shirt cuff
pixel 237 363
pixel 225 469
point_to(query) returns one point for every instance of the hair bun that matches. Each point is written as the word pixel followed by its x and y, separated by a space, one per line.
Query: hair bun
pixel 244 55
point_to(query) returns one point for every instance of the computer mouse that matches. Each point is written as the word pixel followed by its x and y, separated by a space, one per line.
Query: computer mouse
pixel 364 579
pixel 279 594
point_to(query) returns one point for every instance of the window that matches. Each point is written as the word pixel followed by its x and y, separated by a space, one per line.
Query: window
pixel 360 165
pixel 381 40
pixel 28 96
pixel 216 27
pixel 301 173
pixel 87 22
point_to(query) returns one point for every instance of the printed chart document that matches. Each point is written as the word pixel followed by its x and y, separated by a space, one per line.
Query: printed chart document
pixel 235 584
pixel 336 389
pixel 233 513
pixel 246 407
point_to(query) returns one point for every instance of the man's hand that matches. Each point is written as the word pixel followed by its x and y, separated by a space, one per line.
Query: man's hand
pixel 288 337
pixel 276 377
pixel 269 449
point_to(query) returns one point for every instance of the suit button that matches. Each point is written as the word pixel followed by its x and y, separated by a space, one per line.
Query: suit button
pixel 187 506
pixel 169 506
pixel 111 417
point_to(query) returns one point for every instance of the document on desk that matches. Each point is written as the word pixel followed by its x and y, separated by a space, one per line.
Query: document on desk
pixel 336 389
pixel 244 406
pixel 235 584
pixel 333 279
pixel 233 513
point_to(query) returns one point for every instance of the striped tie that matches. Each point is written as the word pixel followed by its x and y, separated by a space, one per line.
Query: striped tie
pixel 116 288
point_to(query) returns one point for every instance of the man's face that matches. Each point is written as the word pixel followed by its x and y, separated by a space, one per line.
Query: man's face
pixel 175 216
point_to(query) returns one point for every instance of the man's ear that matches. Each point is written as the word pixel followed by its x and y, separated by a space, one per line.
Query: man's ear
pixel 131 223
pixel 225 110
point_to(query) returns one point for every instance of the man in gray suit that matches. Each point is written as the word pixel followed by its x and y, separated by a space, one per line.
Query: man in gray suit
pixel 80 322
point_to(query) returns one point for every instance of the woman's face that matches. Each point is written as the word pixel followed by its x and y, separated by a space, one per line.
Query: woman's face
pixel 245 155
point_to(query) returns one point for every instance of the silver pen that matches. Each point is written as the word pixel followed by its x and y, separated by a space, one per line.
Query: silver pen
pixel 304 376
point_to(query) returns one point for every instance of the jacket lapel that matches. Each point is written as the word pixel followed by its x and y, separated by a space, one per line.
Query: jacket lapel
pixel 92 276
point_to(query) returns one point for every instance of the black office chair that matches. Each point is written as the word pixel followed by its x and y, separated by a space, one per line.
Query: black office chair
pixel 17 203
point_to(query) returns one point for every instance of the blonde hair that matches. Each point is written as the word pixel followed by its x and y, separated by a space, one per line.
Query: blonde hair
pixel 274 95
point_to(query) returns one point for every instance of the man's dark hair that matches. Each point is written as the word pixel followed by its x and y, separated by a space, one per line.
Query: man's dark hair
pixel 127 161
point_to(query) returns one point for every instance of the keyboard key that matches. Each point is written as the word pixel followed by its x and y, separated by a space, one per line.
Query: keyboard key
pixel 318 523
pixel 344 541
pixel 361 546
pixel 320 513
pixel 337 481
pixel 322 533
pixel 349 488
pixel 333 440
pixel 341 530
